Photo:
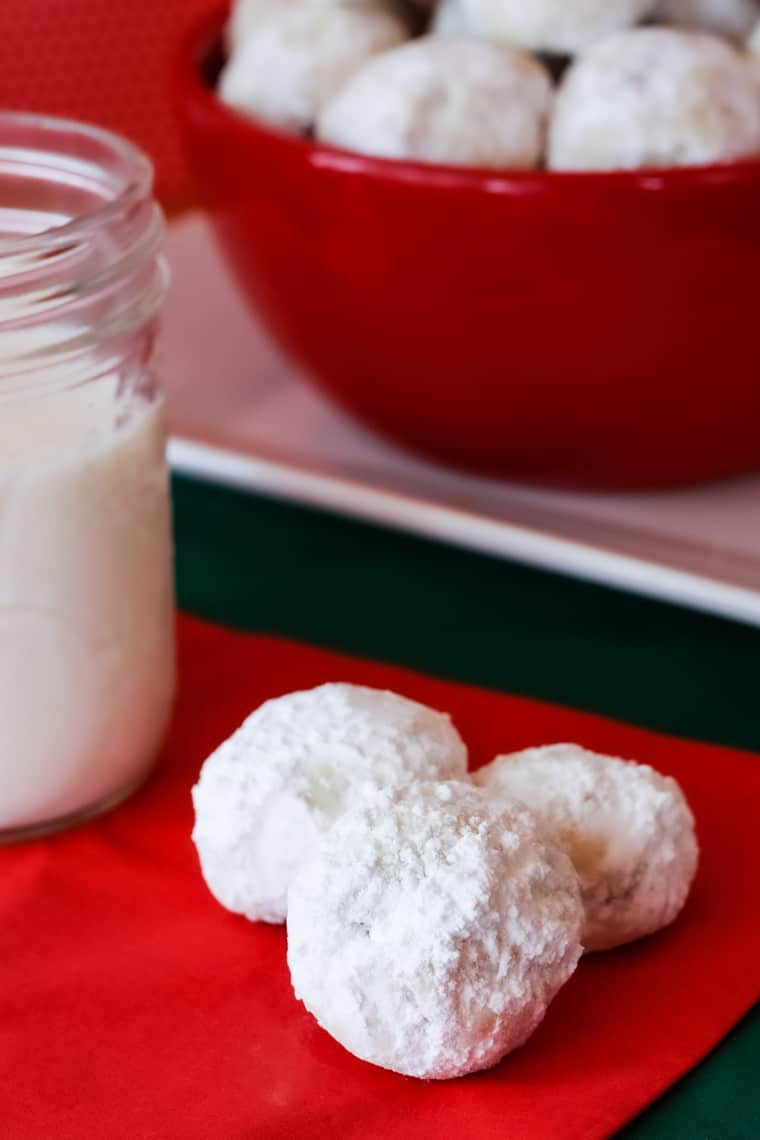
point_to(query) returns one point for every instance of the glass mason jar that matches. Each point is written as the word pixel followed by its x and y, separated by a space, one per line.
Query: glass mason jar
pixel 86 591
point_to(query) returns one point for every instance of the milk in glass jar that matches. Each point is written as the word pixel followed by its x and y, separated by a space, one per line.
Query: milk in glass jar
pixel 86 593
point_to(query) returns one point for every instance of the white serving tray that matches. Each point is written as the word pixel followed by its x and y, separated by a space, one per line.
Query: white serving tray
pixel 238 414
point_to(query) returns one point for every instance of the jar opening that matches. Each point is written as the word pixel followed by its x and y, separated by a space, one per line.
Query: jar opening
pixel 96 173
pixel 79 238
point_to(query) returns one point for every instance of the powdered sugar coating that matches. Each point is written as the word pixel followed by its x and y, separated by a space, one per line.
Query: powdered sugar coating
pixel 267 793
pixel 446 100
pixel 429 931
pixel 628 830
pixel 561 27
pixel 731 18
pixel 449 19
pixel 655 97
pixel 244 16
pixel 293 59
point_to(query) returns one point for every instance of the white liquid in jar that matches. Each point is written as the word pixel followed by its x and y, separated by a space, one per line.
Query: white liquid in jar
pixel 86 601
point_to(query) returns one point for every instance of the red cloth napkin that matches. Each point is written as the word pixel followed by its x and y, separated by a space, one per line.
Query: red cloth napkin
pixel 132 1006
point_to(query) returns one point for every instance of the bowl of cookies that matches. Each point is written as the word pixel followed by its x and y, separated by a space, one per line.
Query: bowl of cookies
pixel 522 240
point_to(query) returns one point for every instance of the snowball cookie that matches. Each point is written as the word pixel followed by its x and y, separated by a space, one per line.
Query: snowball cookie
pixel 731 18
pixel 429 931
pixel 627 829
pixel 269 791
pixel 290 63
pixel 559 27
pixel 656 97
pixel 454 101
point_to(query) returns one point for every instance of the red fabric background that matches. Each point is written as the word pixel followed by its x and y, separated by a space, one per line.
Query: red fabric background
pixel 133 1007
pixel 106 61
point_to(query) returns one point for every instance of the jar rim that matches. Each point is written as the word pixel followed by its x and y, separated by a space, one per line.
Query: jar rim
pixel 80 238
pixel 136 187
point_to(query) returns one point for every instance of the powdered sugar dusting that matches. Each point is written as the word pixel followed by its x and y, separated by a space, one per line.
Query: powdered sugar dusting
pixel 292 59
pixel 429 931
pixel 627 828
pixel 559 26
pixel 269 791
pixel 445 99
pixel 656 97
pixel 730 18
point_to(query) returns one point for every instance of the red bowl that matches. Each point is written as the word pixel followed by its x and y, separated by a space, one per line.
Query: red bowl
pixel 587 330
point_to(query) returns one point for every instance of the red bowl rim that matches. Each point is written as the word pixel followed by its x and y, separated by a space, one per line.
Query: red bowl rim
pixel 205 36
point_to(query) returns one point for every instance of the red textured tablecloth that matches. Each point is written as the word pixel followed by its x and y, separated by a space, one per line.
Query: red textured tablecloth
pixel 107 61
pixel 132 1007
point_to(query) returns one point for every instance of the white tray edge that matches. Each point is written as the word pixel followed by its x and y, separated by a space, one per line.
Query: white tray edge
pixel 467 529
